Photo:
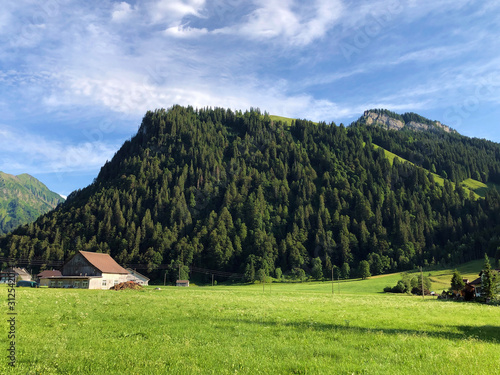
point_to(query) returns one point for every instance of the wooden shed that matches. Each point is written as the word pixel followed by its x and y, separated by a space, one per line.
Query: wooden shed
pixel 182 283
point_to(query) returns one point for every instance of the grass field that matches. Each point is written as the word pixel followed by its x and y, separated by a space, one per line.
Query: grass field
pixel 287 329
pixel 285 120
pixel 478 187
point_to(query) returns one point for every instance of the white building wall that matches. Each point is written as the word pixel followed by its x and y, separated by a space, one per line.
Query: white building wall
pixel 95 283
pixel 111 279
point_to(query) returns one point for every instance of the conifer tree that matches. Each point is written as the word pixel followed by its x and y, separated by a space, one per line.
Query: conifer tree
pixel 488 280
pixel 457 282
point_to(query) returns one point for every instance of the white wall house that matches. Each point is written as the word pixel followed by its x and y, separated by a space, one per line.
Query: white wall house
pixel 87 270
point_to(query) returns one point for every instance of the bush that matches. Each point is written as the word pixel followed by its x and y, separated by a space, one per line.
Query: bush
pixel 278 273
pixel 317 269
pixel 410 284
pixel 299 274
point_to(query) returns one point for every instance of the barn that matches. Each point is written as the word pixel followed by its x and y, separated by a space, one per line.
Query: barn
pixel 88 270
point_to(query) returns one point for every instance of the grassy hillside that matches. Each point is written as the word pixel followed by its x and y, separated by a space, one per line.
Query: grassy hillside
pixel 22 199
pixel 470 270
pixel 288 329
pixel 285 120
pixel 478 187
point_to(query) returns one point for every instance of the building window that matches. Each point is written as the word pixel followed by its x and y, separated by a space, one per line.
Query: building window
pixel 85 284
pixel 76 284
pixel 52 284
pixel 104 283
pixel 59 284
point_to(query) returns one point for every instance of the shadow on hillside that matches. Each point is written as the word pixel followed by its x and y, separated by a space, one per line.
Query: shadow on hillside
pixel 486 333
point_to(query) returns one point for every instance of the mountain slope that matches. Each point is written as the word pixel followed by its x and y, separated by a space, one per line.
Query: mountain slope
pixel 22 200
pixel 241 192
pixel 437 149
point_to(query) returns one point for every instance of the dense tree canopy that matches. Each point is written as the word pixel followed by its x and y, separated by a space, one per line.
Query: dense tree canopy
pixel 239 192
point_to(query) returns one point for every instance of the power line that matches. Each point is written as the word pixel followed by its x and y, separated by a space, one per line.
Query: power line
pixel 139 266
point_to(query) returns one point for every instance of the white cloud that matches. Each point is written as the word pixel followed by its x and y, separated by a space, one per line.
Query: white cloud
pixel 185 32
pixel 173 11
pixel 273 18
pixel 293 22
pixel 121 12
pixel 43 155
pixel 290 21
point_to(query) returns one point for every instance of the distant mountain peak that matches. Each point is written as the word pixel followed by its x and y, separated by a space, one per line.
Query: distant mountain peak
pixel 22 199
pixel 409 120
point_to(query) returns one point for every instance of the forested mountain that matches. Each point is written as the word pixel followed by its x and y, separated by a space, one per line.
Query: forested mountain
pixel 240 192
pixel 22 200
pixel 440 149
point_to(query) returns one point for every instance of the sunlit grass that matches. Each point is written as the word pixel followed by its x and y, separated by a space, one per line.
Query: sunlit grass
pixel 294 328
pixel 284 120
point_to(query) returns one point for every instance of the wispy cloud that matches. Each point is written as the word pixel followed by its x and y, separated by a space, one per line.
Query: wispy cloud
pixel 291 22
pixel 42 155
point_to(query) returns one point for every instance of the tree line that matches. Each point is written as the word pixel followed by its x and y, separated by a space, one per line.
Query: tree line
pixel 239 192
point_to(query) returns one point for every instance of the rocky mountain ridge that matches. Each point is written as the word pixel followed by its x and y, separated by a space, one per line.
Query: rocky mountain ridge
pixel 397 122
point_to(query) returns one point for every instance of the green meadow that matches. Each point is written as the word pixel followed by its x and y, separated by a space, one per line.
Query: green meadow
pixel 282 328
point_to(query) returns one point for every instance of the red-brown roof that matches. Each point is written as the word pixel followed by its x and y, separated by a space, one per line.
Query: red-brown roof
pixel 476 282
pixel 103 262
pixel 49 273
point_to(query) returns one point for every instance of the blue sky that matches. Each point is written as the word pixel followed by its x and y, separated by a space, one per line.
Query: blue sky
pixel 76 77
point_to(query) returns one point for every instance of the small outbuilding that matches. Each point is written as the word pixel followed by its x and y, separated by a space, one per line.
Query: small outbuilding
pixel 137 277
pixel 45 275
pixel 182 283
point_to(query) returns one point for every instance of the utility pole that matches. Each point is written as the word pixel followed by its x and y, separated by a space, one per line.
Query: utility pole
pixel 165 278
pixel 422 278
pixel 332 280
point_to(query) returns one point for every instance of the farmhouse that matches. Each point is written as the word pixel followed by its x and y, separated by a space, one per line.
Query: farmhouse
pixel 473 289
pixel 19 274
pixel 137 277
pixel 87 270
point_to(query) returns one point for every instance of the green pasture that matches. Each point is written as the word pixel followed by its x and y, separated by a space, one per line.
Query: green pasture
pixel 283 328
pixel 284 120
pixel 480 188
